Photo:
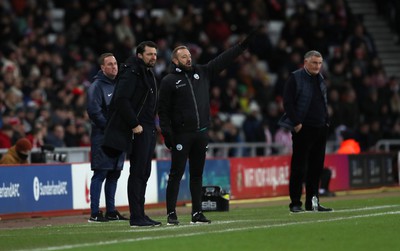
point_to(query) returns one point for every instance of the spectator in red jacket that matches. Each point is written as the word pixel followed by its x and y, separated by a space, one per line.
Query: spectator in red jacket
pixel 348 145
pixel 6 134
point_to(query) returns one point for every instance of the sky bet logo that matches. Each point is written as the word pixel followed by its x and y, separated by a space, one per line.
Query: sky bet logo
pixel 50 188
pixel 209 205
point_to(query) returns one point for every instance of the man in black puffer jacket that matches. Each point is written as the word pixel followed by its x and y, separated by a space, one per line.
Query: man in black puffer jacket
pixel 184 112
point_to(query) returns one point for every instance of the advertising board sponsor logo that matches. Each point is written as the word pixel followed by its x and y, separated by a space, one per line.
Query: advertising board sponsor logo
pixel 209 205
pixel 49 188
pixel 261 176
pixel 11 190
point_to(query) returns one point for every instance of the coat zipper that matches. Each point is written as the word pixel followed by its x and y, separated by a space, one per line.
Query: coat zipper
pixel 147 94
pixel 144 101
pixel 194 101
pixel 156 93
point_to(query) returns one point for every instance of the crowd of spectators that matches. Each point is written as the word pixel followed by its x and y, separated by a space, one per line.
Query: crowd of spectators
pixel 47 66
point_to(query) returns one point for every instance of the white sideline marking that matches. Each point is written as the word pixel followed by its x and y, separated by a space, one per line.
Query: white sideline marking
pixel 169 228
pixel 216 231
pixel 366 208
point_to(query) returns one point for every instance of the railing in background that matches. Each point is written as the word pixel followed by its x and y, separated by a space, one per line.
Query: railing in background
pixel 74 154
pixel 222 150
pixel 387 145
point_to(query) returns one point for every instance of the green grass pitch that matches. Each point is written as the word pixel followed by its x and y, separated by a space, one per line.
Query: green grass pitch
pixel 361 223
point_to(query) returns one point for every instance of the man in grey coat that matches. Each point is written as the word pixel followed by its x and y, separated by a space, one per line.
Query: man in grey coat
pixel 104 167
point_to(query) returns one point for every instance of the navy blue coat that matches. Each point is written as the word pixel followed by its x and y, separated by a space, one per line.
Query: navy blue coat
pixel 99 96
pixel 297 100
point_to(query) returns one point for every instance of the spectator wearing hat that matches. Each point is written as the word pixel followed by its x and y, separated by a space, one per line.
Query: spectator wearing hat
pixel 19 153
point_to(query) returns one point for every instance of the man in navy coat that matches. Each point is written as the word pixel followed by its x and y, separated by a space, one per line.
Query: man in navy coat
pixel 104 167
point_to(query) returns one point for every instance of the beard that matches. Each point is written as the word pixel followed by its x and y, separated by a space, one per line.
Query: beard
pixel 150 64
pixel 185 67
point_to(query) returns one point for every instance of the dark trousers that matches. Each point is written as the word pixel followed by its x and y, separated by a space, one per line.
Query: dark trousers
pixel 110 187
pixel 307 163
pixel 191 145
pixel 140 159
pixel 326 175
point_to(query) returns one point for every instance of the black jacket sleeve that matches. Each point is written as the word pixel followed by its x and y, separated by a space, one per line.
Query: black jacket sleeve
pixel 289 100
pixel 95 105
pixel 124 91
pixel 222 61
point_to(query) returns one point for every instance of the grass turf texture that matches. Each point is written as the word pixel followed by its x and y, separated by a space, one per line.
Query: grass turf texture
pixel 368 223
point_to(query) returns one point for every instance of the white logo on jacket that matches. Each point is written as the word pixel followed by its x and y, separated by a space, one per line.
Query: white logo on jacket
pixel 177 85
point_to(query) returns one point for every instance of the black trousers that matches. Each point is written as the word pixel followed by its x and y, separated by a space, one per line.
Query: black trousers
pixel 140 159
pixel 326 175
pixel 307 163
pixel 191 145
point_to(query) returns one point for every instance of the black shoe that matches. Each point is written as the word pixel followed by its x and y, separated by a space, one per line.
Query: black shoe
pixel 141 223
pixel 296 209
pixel 115 216
pixel 199 218
pixel 98 218
pixel 172 219
pixel 320 209
pixel 155 223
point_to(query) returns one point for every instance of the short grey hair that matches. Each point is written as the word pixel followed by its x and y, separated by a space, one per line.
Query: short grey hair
pixel 312 54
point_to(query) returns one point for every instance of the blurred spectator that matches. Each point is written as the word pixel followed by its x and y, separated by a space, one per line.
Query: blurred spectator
pixel 18 153
pixel 216 134
pixel 348 111
pixel 37 136
pixel 348 144
pixel 215 100
pixel 55 136
pixel 253 128
pixel 284 137
pixel 71 138
pixel 372 107
pixel 230 97
pixel 13 100
pixel 124 30
pixel 18 128
pixel 363 136
pixel 6 135
pixel 375 132
pixel 261 46
pixel 360 39
pixel 217 29
pixel 231 135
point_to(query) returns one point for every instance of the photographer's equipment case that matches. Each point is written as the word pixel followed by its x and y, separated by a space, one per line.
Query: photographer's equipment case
pixel 214 199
